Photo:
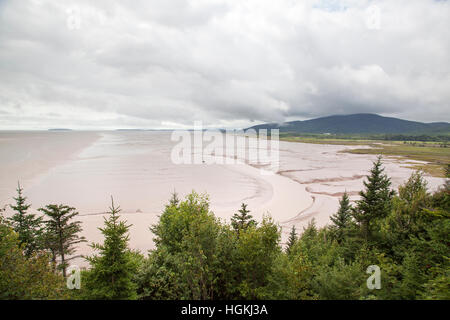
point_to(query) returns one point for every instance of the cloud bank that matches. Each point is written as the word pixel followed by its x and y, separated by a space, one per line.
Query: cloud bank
pixel 164 64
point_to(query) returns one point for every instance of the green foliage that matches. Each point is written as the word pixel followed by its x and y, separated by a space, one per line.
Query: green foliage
pixel 407 216
pixel 433 259
pixel 113 269
pixel 61 233
pixel 185 238
pixel 174 200
pixel 257 250
pixel 242 220
pixel 375 202
pixel 26 225
pixel 414 242
pixel 291 240
pixel 342 219
pixel 25 277
pixel 340 281
pixel 198 257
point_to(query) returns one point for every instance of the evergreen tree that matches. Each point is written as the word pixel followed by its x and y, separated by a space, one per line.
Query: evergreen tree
pixel 375 202
pixel 242 220
pixel 50 244
pixel 24 277
pixel 27 225
pixel 61 232
pixel 183 263
pixel 256 255
pixel 415 188
pixel 310 232
pixel 174 200
pixel 342 218
pixel 112 270
pixel 292 239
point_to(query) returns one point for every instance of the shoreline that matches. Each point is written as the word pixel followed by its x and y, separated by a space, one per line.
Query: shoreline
pixel 135 170
pixel 428 156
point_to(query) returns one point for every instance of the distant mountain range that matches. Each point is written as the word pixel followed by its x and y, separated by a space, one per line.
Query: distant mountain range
pixel 361 123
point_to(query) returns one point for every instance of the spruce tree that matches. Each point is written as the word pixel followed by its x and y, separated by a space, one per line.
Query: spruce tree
pixel 112 270
pixel 375 202
pixel 310 232
pixel 174 200
pixel 292 239
pixel 342 218
pixel 25 278
pixel 242 220
pixel 61 232
pixel 26 225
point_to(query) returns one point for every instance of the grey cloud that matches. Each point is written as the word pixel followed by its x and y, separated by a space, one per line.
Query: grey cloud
pixel 149 63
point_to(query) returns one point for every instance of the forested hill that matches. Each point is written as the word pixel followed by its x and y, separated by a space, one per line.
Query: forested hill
pixel 362 123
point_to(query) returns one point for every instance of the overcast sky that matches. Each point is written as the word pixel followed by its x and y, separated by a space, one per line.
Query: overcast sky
pixel 230 63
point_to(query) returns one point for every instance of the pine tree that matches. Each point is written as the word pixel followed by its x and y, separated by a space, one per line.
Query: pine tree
pixel 310 232
pixel 342 218
pixel 375 202
pixel 25 278
pixel 112 270
pixel 50 244
pixel 292 239
pixel 27 225
pixel 242 220
pixel 174 200
pixel 61 233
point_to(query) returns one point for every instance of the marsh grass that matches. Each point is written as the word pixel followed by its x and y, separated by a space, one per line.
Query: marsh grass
pixel 435 154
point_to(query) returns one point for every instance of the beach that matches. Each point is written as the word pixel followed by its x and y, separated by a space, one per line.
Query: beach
pixel 86 169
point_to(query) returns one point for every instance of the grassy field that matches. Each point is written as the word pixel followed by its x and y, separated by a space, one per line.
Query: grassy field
pixel 436 154
pixel 349 142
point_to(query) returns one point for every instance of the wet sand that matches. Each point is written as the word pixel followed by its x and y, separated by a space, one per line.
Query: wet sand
pixel 327 173
pixel 28 155
pixel 84 169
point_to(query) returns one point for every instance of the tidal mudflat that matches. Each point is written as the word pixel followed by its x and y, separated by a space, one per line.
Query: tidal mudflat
pixel 84 169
